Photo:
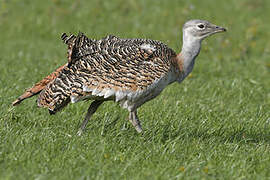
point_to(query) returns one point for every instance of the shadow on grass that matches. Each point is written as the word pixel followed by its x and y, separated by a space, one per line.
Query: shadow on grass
pixel 236 136
pixel 223 135
pixel 164 133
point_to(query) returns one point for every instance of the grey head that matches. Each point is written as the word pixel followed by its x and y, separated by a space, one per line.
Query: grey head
pixel 194 31
pixel 200 29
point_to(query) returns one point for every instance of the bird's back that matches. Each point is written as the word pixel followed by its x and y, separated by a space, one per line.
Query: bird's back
pixel 111 68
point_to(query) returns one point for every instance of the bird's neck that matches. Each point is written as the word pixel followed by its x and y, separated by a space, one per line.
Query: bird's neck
pixel 186 58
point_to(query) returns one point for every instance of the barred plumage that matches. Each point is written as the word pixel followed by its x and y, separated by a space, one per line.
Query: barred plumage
pixel 128 71
pixel 110 68
pixel 38 87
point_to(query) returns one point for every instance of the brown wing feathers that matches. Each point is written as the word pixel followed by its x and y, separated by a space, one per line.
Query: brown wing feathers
pixel 38 87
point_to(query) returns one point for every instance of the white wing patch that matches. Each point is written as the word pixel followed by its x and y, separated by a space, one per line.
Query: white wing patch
pixel 119 96
pixel 148 47
pixel 96 92
pixel 74 99
pixel 86 89
pixel 109 93
pixel 151 63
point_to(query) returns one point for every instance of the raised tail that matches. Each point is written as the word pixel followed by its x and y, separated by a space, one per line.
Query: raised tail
pixel 38 87
pixel 55 90
pixel 75 43
pixel 57 94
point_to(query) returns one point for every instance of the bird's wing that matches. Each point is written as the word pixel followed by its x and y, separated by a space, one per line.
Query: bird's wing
pixel 104 68
pixel 111 64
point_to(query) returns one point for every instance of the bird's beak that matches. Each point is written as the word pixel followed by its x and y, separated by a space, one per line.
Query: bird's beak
pixel 213 29
pixel 218 29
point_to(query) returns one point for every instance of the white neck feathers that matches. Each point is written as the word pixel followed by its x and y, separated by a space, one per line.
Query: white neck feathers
pixel 190 50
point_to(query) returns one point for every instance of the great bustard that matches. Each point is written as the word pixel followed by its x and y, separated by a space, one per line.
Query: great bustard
pixel 128 71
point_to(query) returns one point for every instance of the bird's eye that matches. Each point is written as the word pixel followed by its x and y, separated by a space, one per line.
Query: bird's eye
pixel 201 26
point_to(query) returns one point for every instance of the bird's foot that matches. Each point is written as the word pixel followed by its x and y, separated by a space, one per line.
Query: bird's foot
pixel 137 125
pixel 138 129
pixel 80 132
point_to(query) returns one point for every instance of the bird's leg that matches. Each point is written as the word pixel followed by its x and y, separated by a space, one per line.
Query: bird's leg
pixel 133 118
pixel 91 110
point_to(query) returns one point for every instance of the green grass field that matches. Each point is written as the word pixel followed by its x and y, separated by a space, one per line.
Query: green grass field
pixel 215 125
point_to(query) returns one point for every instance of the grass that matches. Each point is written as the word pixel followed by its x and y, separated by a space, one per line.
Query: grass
pixel 215 125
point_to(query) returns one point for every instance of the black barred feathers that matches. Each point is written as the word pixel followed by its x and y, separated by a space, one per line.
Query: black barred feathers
pixel 109 68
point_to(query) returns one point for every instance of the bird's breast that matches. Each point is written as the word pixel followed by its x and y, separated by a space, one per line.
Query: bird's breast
pixel 135 99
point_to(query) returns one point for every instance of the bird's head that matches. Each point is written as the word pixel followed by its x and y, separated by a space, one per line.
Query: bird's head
pixel 200 29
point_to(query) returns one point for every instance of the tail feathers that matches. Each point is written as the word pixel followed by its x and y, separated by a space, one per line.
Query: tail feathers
pixel 54 92
pixel 77 41
pixel 75 45
pixel 70 41
pixel 54 101
pixel 38 87
pixel 56 95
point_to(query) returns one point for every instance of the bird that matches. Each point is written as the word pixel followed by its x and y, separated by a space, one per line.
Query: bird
pixel 127 71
